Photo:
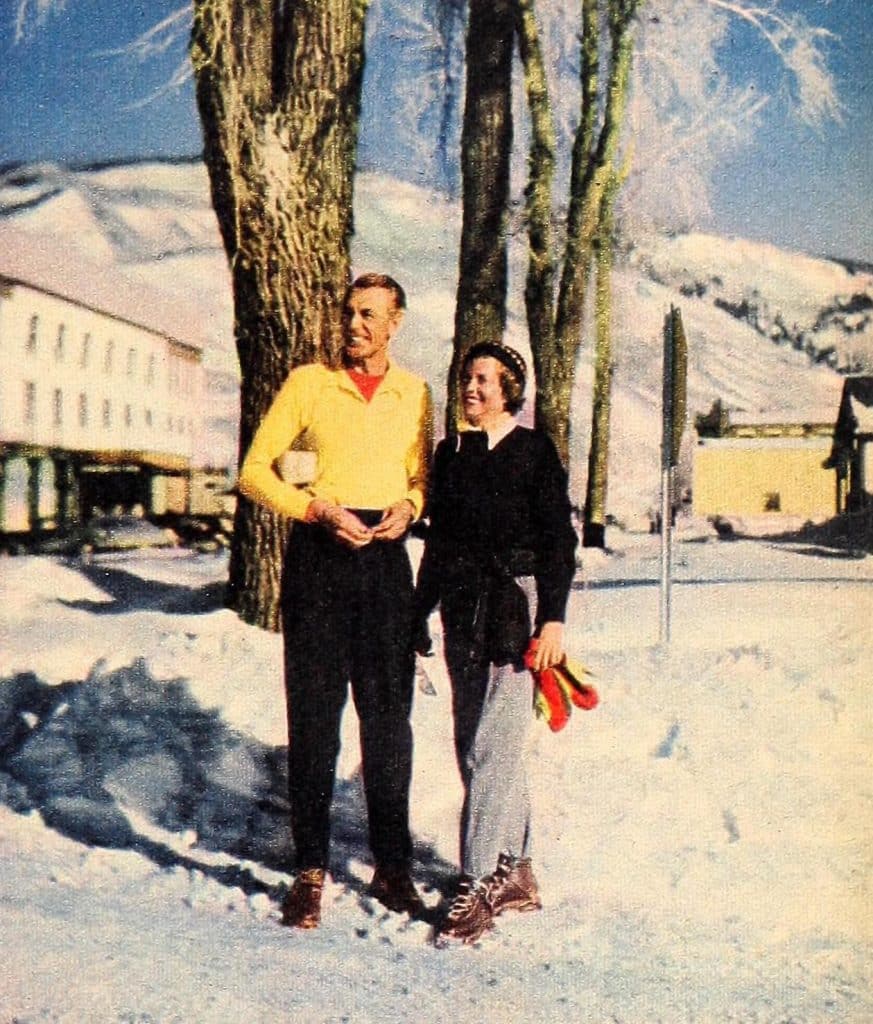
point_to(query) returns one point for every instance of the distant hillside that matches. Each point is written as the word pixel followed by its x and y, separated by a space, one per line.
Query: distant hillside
pixel 822 308
pixel 766 327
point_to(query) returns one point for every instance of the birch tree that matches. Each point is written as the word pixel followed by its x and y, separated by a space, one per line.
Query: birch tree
pixel 557 291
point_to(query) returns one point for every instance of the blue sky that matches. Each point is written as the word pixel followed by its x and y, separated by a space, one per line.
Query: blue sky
pixel 65 97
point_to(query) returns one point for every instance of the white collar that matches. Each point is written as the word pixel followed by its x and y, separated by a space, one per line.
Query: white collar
pixel 496 434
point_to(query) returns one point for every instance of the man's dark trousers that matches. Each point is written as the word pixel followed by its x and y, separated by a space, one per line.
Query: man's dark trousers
pixel 346 616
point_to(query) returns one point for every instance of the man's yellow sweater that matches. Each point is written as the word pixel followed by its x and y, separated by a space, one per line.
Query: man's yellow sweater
pixel 368 454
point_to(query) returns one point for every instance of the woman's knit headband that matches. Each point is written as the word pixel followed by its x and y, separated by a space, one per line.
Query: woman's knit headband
pixel 512 360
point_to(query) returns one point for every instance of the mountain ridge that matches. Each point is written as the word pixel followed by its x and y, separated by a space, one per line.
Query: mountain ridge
pixel 759 347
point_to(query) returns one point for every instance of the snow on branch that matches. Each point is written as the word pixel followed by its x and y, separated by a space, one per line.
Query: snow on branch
pixel 158 39
pixel 800 47
pixel 34 12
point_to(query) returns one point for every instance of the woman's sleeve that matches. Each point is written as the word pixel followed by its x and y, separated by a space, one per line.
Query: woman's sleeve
pixel 427 586
pixel 556 562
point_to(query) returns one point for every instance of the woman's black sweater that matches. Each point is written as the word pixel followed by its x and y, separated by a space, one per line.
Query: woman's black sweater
pixel 502 512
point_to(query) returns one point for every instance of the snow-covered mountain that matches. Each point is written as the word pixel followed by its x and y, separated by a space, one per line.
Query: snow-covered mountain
pixel 766 328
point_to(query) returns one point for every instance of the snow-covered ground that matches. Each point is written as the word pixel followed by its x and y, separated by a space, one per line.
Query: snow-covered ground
pixel 703 837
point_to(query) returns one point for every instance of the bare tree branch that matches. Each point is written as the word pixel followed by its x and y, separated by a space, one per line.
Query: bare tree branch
pixel 158 39
pixel 799 46
pixel 34 12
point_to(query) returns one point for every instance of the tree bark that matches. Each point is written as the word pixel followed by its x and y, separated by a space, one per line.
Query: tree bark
pixel 486 144
pixel 539 290
pixel 555 322
pixel 593 167
pixel 278 90
pixel 594 511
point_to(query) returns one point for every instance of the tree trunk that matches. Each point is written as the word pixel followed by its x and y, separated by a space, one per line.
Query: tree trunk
pixel 591 174
pixel 278 90
pixel 594 515
pixel 486 144
pixel 539 290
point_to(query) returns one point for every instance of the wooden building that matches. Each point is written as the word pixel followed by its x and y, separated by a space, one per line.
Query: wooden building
pixel 754 465
pixel 99 412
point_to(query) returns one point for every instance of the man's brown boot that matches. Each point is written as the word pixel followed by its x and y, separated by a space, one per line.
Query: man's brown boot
pixel 301 908
pixel 512 886
pixel 393 888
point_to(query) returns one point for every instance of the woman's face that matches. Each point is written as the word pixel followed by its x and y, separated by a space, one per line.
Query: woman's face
pixel 482 392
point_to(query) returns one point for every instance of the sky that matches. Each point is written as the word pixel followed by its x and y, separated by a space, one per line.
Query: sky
pixel 67 96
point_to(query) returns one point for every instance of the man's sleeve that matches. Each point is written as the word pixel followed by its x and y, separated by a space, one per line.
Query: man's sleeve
pixel 259 479
pixel 420 453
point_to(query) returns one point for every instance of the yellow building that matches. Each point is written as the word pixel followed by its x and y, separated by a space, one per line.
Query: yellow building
pixel 758 465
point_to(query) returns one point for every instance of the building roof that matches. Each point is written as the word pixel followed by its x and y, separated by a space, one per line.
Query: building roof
pixel 722 424
pixel 41 262
pixel 783 417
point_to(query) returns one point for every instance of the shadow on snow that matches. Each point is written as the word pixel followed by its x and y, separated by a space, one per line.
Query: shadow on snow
pixel 131 592
pixel 119 758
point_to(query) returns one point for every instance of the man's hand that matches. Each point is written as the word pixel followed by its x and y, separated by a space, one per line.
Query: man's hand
pixel 395 521
pixel 344 525
pixel 550 647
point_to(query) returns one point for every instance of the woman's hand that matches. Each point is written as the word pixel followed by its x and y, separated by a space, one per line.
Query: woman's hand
pixel 550 646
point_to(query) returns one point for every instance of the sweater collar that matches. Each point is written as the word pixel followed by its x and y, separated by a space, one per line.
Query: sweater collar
pixel 496 434
pixel 390 382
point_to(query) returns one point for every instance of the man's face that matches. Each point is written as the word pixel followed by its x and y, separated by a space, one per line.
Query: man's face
pixel 369 322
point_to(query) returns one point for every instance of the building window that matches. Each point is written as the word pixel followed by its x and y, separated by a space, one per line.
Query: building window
pixel 148 417
pixel 150 370
pixel 32 334
pixel 131 361
pixel 60 343
pixel 83 409
pixel 108 356
pixel 86 351
pixel 29 401
pixel 58 407
pixel 107 413
pixel 128 416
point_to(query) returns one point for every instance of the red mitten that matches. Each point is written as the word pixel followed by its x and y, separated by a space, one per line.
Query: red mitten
pixel 560 688
pixel 569 675
pixel 551 700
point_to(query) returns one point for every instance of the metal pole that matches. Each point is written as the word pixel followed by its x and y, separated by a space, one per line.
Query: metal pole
pixel 666 544
pixel 666 479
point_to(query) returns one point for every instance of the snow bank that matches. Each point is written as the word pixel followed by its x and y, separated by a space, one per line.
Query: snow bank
pixel 702 837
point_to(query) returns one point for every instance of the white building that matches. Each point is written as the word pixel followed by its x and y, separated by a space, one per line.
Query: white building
pixel 97 411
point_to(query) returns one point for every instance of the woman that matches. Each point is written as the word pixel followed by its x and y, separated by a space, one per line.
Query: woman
pixel 499 560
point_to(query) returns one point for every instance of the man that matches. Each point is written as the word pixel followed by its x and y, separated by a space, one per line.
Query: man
pixel 347 585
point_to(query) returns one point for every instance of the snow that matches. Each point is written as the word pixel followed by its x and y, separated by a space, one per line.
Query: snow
pixel 702 837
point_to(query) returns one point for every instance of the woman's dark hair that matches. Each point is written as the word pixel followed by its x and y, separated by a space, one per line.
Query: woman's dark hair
pixel 512 371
